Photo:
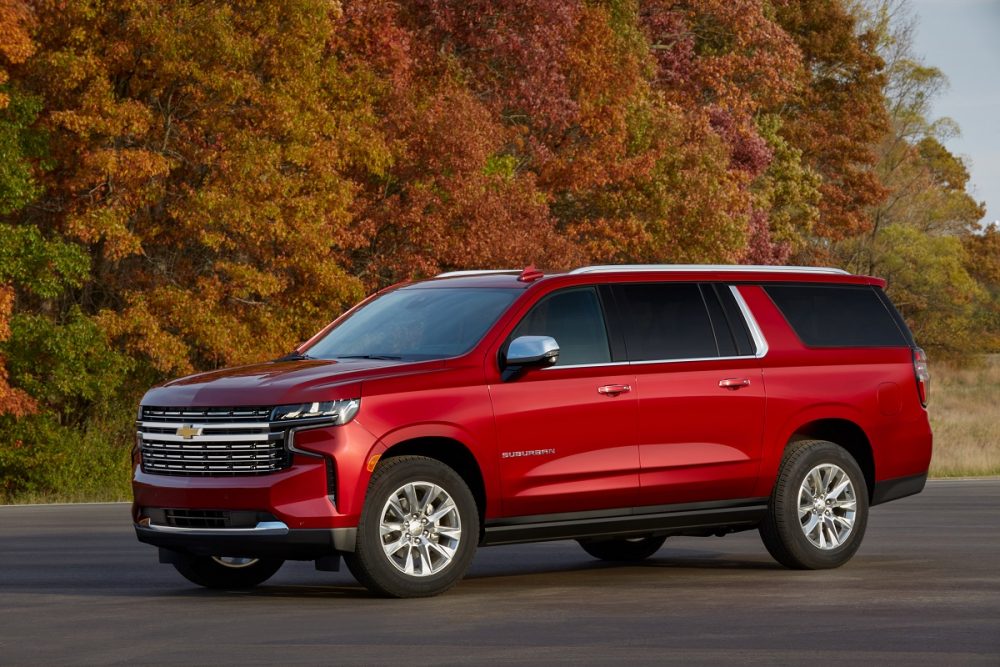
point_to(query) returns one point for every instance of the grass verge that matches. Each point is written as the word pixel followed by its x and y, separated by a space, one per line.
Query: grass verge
pixel 965 417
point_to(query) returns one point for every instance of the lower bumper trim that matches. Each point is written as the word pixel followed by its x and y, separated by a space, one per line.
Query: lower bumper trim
pixel 899 487
pixel 259 542
pixel 262 528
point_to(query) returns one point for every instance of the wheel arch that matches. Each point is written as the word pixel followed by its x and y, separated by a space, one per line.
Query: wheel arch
pixel 453 454
pixel 845 433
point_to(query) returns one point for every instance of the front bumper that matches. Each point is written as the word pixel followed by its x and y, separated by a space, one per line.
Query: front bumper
pixel 268 539
pixel 321 491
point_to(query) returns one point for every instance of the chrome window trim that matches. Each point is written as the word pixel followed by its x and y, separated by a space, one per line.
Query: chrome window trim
pixel 737 268
pixel 557 367
pixel 687 359
pixel 651 361
pixel 755 332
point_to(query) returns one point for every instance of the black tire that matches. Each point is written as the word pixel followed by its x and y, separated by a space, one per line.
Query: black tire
pixel 784 533
pixel 623 550
pixel 382 573
pixel 215 573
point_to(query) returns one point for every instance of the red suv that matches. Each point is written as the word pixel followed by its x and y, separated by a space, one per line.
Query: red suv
pixel 613 405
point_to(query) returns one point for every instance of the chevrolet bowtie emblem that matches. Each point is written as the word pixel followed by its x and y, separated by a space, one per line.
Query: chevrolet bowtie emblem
pixel 188 432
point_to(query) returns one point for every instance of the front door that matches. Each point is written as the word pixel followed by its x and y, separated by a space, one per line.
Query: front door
pixel 567 433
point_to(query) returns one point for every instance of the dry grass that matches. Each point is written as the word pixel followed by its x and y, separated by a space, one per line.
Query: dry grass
pixel 965 417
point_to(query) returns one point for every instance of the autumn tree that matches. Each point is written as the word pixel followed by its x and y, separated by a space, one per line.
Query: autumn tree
pixel 983 250
pixel 917 231
pixel 454 191
pixel 837 117
pixel 201 153
pixel 16 183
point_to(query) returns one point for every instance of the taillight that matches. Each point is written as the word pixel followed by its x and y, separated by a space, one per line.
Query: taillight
pixel 923 375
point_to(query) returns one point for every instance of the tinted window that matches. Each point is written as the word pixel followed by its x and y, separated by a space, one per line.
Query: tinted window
pixel 723 336
pixel 575 320
pixel 666 321
pixel 427 323
pixel 737 322
pixel 840 316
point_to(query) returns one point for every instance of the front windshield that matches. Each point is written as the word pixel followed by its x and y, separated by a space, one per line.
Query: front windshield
pixel 416 324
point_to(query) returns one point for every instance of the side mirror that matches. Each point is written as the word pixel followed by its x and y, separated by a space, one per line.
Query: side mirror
pixel 526 351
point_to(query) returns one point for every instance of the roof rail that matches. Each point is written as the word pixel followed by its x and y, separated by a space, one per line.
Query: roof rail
pixel 476 272
pixel 744 268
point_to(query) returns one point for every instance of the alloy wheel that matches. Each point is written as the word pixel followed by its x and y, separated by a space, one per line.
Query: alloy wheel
pixel 420 529
pixel 827 506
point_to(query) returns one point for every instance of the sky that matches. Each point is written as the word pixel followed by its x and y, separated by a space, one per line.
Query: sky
pixel 962 39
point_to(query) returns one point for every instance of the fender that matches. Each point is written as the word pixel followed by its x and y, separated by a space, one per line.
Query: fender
pixel 485 456
pixel 776 438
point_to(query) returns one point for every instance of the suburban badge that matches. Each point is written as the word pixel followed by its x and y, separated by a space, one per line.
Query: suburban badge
pixel 527 452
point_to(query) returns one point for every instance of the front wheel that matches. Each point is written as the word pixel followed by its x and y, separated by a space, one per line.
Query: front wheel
pixel 818 510
pixel 418 530
pixel 227 572
pixel 623 550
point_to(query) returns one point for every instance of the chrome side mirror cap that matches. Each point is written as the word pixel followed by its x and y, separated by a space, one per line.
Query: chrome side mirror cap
pixel 532 351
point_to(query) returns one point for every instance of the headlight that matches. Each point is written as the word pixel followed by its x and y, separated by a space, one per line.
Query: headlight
pixel 336 412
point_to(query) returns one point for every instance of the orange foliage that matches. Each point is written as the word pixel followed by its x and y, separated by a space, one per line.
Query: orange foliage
pixel 237 175
pixel 12 400
pixel 838 118
pixel 15 41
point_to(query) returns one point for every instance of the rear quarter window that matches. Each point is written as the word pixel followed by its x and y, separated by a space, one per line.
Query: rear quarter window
pixel 837 315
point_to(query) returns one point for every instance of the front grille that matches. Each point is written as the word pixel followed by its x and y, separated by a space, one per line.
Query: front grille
pixel 197 518
pixel 211 441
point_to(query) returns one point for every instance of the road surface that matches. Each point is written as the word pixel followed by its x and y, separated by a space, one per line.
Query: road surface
pixel 76 587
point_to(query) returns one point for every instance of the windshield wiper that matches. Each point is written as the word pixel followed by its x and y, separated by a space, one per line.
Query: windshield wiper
pixel 294 355
pixel 387 357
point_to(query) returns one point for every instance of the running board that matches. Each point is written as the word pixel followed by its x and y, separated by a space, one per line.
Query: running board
pixel 694 518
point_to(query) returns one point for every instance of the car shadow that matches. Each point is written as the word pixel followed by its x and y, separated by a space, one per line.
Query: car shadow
pixel 513 568
pixel 526 574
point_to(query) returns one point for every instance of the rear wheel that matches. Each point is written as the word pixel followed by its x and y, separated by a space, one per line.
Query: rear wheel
pixel 418 531
pixel 226 572
pixel 818 509
pixel 623 550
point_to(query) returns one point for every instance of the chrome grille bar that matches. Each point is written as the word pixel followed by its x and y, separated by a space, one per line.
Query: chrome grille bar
pixel 211 441
pixel 165 437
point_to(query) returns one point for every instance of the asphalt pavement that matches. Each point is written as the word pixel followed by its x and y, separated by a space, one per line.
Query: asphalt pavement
pixel 924 589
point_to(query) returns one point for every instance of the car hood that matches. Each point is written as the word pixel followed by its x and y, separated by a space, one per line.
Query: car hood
pixel 279 382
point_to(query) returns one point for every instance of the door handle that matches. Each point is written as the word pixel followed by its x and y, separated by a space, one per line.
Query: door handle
pixel 734 383
pixel 614 389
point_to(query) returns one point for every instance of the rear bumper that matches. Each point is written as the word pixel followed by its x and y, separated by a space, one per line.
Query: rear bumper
pixel 272 539
pixel 899 487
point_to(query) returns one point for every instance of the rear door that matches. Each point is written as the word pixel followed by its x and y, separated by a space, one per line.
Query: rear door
pixel 567 433
pixel 700 390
